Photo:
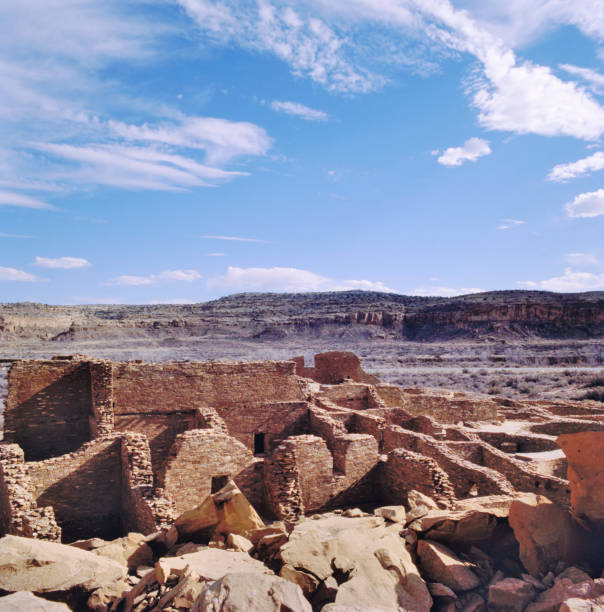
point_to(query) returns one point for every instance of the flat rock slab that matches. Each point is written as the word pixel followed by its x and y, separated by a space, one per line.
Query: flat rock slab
pixel 442 565
pixel 23 601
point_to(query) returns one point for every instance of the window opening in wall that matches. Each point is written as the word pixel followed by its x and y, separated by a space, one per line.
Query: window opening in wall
pixel 218 482
pixel 258 444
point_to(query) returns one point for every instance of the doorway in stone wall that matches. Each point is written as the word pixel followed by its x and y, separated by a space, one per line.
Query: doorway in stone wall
pixel 259 444
pixel 218 482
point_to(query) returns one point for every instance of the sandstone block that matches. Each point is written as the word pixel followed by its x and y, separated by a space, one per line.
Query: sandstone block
pixel 395 514
pixel 23 601
pixel 510 595
pixel 440 564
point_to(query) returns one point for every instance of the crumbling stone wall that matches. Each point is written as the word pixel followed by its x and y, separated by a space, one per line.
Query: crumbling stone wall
pixel 19 512
pixel 48 407
pixel 405 470
pixel 334 367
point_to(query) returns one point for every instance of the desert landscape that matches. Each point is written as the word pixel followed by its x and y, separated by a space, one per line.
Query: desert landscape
pixel 215 457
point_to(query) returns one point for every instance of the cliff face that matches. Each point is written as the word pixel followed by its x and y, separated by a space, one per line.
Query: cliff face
pixel 352 314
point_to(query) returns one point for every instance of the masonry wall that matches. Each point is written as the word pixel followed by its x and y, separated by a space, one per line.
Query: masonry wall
pixel 84 489
pixel 48 407
pixel 196 456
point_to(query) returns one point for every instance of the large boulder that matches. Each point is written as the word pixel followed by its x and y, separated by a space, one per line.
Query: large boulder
pixel 469 520
pixel 546 534
pixel 70 574
pixel 366 555
pixel 23 601
pixel 209 564
pixel 131 550
pixel 224 512
pixel 241 592
pixel 585 455
pixel 440 564
pixel 510 595
pixel 565 589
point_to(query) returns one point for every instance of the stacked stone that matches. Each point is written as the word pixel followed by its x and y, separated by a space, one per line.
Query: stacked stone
pixel 208 418
pixel 101 386
pixel 20 512
pixel 284 490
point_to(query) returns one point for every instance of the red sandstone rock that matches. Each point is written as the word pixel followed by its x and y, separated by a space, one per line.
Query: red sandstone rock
pixel 510 595
pixel 563 590
pixel 545 533
pixel 440 564
pixel 585 454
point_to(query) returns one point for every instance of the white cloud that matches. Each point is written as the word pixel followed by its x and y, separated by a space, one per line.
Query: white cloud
pixel 444 291
pixel 287 280
pixel 565 172
pixel 12 274
pixel 310 46
pixel 299 110
pixel 215 254
pixel 510 223
pixel 471 150
pixel 24 236
pixel 582 259
pixel 222 140
pixel 9 198
pixel 187 276
pixel 589 204
pixel 233 238
pixel 134 167
pixel 594 79
pixel 64 263
pixel 571 281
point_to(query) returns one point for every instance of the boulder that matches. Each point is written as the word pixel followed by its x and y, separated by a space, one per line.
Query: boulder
pixel 69 573
pixel 224 512
pixel 368 558
pixel 469 520
pixel 210 564
pixel 563 590
pixel 131 550
pixel 419 505
pixel 546 534
pixel 23 601
pixel 242 592
pixel 307 582
pixel 585 455
pixel 238 543
pixel 582 605
pixel 510 595
pixel 395 514
pixel 440 564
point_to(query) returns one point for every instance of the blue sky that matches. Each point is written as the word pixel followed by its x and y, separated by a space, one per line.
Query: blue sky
pixel 177 151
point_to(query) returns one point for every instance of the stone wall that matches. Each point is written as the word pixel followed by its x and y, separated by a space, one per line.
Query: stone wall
pixel 48 407
pixel 84 489
pixel 195 458
pixel 334 367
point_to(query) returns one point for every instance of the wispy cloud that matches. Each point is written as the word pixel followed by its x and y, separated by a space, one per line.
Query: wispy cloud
pixel 12 274
pixel 571 281
pixel 581 167
pixel 443 291
pixel 288 280
pixel 582 259
pixel 20 236
pixel 509 224
pixel 63 263
pixel 187 276
pixel 594 79
pixel 471 150
pixel 299 110
pixel 234 238
pixel 9 198
pixel 589 204
pixel 215 254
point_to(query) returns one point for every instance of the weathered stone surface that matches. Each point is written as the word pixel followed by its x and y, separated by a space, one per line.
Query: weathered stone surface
pixel 574 604
pixel 227 511
pixel 209 564
pixel 585 455
pixel 49 567
pixel 419 505
pixel 545 533
pixel 374 568
pixel 131 550
pixel 441 564
pixel 242 592
pixel 238 543
pixel 470 520
pixel 438 589
pixel 395 514
pixel 563 590
pixel 510 595
pixel 23 601
pixel 306 581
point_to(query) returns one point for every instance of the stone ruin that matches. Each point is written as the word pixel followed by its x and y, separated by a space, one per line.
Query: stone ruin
pixel 94 448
